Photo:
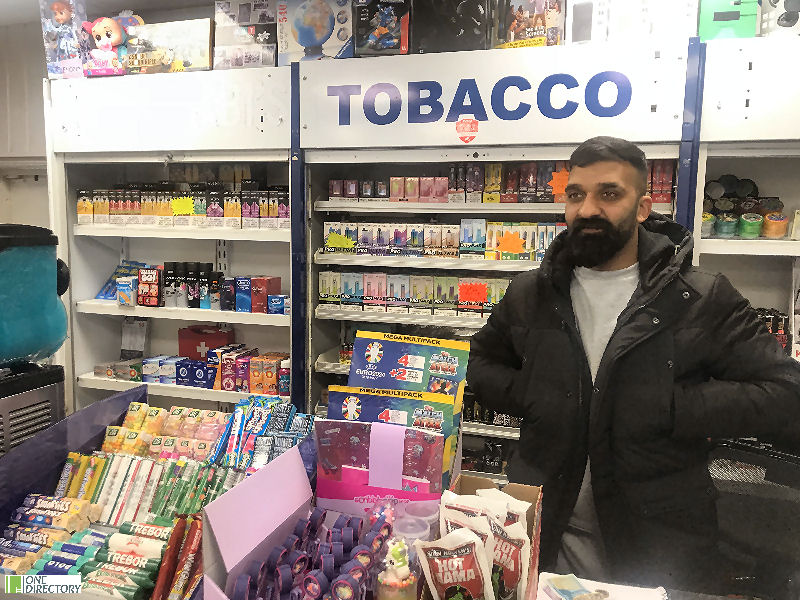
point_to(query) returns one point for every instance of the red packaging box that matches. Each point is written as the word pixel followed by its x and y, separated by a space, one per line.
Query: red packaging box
pixel 228 367
pixel 260 290
pixel 197 340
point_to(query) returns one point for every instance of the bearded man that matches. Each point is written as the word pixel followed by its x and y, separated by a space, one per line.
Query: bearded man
pixel 624 362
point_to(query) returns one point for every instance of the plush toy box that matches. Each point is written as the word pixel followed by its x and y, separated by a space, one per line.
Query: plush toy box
pixel 108 41
pixel 170 47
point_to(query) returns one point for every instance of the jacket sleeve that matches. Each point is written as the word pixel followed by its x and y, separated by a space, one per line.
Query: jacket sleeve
pixel 494 365
pixel 754 388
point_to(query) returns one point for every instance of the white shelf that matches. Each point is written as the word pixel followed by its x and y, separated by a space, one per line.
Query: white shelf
pixel 761 247
pixel 495 477
pixel 346 205
pixel 111 307
pixel 90 380
pixel 189 233
pixel 456 321
pixel 366 260
pixel 387 207
pixel 498 153
pixel 496 431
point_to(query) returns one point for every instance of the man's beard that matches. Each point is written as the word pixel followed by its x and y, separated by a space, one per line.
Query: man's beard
pixel 597 248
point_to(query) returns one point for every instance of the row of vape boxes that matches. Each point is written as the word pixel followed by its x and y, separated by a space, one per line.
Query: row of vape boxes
pixel 473 238
pixel 197 285
pixel 379 292
pixel 232 368
pixel 203 205
pixel 542 181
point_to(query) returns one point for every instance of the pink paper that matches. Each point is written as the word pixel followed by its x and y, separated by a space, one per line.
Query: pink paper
pixel 385 462
pixel 211 590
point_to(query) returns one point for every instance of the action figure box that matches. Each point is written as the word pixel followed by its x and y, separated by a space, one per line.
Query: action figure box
pixel 65 42
pixel 434 412
pixel 382 27
pixel 170 47
pixel 529 23
pixel 451 26
pixel 781 18
pixel 314 29
pixel 245 34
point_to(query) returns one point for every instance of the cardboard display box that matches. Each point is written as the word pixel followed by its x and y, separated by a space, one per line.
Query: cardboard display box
pixel 469 484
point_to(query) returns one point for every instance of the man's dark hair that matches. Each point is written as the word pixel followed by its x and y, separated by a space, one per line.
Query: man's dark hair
pixel 606 148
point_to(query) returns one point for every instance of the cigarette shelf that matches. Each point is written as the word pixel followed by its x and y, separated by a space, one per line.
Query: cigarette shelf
pixel 90 380
pixel 374 206
pixel 750 247
pixel 189 233
pixel 366 260
pixel 495 431
pixel 454 320
pixel 497 478
pixel 111 307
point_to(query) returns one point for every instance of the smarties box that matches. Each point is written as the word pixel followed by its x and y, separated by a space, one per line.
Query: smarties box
pixel 412 409
pixel 314 29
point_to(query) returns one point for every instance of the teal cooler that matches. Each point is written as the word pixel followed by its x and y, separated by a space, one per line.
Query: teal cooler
pixel 33 320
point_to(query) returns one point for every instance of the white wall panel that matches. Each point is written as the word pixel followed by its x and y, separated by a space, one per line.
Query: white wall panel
pixel 21 107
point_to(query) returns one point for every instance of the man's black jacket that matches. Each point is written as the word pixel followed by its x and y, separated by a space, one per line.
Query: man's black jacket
pixel 689 360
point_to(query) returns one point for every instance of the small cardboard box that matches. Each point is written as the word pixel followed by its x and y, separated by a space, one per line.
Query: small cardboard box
pixel 469 484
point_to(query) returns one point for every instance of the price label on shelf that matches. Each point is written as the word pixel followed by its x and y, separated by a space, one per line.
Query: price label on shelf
pixel 410 375
pixel 412 361
pixel 394 416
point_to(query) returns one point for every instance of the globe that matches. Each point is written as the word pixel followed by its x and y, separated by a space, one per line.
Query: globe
pixel 312 25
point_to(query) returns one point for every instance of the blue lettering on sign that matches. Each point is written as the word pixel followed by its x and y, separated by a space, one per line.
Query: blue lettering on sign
pixel 417 101
pixel 467 88
pixel 624 93
pixel 499 98
pixel 395 103
pixel 425 99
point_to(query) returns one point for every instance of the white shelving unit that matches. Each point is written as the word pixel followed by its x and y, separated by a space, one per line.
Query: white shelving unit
pixel 359 149
pixel 238 117
pixel 750 131
pixel 92 381
pixel 187 233
pixel 457 264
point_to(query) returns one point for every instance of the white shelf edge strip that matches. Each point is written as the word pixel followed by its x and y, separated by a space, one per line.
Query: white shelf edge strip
pixel 90 380
pixel 196 233
pixel 471 428
pixel 456 321
pixel 496 477
pixel 322 258
pixel 753 247
pixel 452 207
pixel 320 366
pixel 111 307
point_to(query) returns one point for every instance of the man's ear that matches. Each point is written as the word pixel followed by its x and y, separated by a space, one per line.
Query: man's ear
pixel 645 208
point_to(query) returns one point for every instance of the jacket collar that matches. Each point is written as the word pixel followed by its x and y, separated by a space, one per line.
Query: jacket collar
pixel 665 248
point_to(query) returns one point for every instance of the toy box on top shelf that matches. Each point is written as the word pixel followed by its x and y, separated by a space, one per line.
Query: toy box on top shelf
pixel 245 34
pixel 109 40
pixel 720 19
pixel 61 33
pixel 450 26
pixel 780 18
pixel 530 23
pixel 170 47
pixel 381 27
pixel 314 29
